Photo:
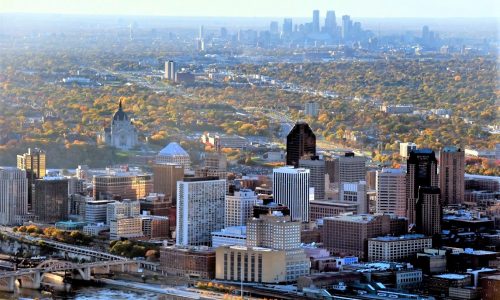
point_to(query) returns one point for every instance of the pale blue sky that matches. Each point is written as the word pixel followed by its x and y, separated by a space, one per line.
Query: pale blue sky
pixel 262 8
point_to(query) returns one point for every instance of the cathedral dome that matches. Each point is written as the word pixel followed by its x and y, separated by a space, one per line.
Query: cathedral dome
pixel 120 115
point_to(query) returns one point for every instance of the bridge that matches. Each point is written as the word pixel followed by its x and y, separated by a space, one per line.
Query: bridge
pixel 32 277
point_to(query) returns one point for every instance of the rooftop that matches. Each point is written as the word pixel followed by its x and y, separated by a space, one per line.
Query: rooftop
pixel 400 238
pixel 451 276
pixel 173 149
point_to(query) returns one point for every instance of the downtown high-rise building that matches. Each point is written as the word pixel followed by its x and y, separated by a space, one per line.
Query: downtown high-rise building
pixel 291 188
pixel 239 207
pixel 287 26
pixel 122 185
pixel 316 168
pixel 165 177
pixel 315 22
pixel 346 27
pixel 421 172
pixel 354 193
pixel 13 195
pixel 391 191
pixel 452 175
pixel 300 141
pixel 170 69
pixel 428 211
pixel 34 163
pixel 200 210
pixel 350 168
pixel 330 22
pixel 50 203
pixel 278 232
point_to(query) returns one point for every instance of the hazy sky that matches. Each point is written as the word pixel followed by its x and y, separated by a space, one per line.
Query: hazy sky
pixel 262 8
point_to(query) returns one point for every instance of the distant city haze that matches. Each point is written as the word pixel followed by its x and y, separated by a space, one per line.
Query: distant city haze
pixel 261 8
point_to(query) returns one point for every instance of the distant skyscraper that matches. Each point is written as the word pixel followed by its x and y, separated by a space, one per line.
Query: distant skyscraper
pixel 421 172
pixel 451 175
pixel 316 167
pixel 315 22
pixel 273 27
pixel 346 27
pixel 391 191
pixel 122 185
pixel 428 211
pixel 13 195
pixel 299 142
pixel 291 188
pixel 330 22
pixel 287 26
pixel 170 70
pixel 51 199
pixel 201 33
pixel 223 32
pixel 239 207
pixel 200 210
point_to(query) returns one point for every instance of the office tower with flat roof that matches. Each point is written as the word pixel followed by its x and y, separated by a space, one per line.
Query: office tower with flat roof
pixel 96 211
pixel 280 233
pixel 330 23
pixel 300 141
pixel 239 207
pixel 350 168
pixel 355 193
pixel 397 248
pixel 316 167
pixel 156 204
pixel 311 109
pixel 391 191
pixel 13 195
pixel 421 171
pixel 274 27
pixel 348 234
pixel 287 26
pixel 291 188
pixel 51 199
pixel 122 185
pixel 429 211
pixel 200 210
pixel 315 22
pixel 170 70
pixel 346 27
pixel 122 209
pixel 452 175
pixel 33 162
pixel 406 148
pixel 165 177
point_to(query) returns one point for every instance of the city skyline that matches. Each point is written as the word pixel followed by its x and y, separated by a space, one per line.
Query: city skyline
pixel 226 8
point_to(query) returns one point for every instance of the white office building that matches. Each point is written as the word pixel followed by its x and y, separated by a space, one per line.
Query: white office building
pixel 13 195
pixel 123 209
pixel 391 191
pixel 239 207
pixel 200 210
pixel 96 211
pixel 291 188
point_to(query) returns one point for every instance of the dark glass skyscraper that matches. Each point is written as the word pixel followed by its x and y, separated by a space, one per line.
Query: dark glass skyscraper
pixel 421 172
pixel 299 142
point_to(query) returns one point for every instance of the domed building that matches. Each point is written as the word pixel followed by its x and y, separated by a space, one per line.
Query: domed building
pixel 122 133
pixel 173 153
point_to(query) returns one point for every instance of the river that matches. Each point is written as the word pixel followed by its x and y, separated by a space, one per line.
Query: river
pixel 83 293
